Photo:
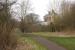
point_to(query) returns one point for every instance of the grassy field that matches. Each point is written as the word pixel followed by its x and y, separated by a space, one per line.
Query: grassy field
pixel 65 41
pixel 52 34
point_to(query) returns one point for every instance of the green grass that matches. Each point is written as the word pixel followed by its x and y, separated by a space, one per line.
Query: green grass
pixel 67 42
pixel 52 34
pixel 48 34
pixel 35 45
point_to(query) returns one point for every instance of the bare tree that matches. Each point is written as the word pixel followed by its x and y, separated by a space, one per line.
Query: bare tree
pixel 68 14
pixel 7 25
pixel 25 7
pixel 66 19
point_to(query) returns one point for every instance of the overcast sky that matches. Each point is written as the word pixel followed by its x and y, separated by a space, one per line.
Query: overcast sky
pixel 41 7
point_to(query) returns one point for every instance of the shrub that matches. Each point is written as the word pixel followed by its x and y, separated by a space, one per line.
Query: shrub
pixel 8 39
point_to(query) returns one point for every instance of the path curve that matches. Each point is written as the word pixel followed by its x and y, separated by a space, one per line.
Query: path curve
pixel 49 44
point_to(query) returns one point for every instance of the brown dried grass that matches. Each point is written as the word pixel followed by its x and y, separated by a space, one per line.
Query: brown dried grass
pixel 7 39
pixel 24 46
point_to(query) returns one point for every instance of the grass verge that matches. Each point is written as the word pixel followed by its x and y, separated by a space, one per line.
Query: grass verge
pixel 65 41
pixel 28 43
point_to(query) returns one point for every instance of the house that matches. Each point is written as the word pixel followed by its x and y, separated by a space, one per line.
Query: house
pixel 49 18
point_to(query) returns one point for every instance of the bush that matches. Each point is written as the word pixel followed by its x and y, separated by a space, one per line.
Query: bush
pixel 8 39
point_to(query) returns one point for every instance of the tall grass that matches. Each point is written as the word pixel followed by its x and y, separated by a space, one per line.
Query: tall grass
pixel 8 39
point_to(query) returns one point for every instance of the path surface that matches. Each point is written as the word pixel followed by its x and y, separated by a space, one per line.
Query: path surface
pixel 49 44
